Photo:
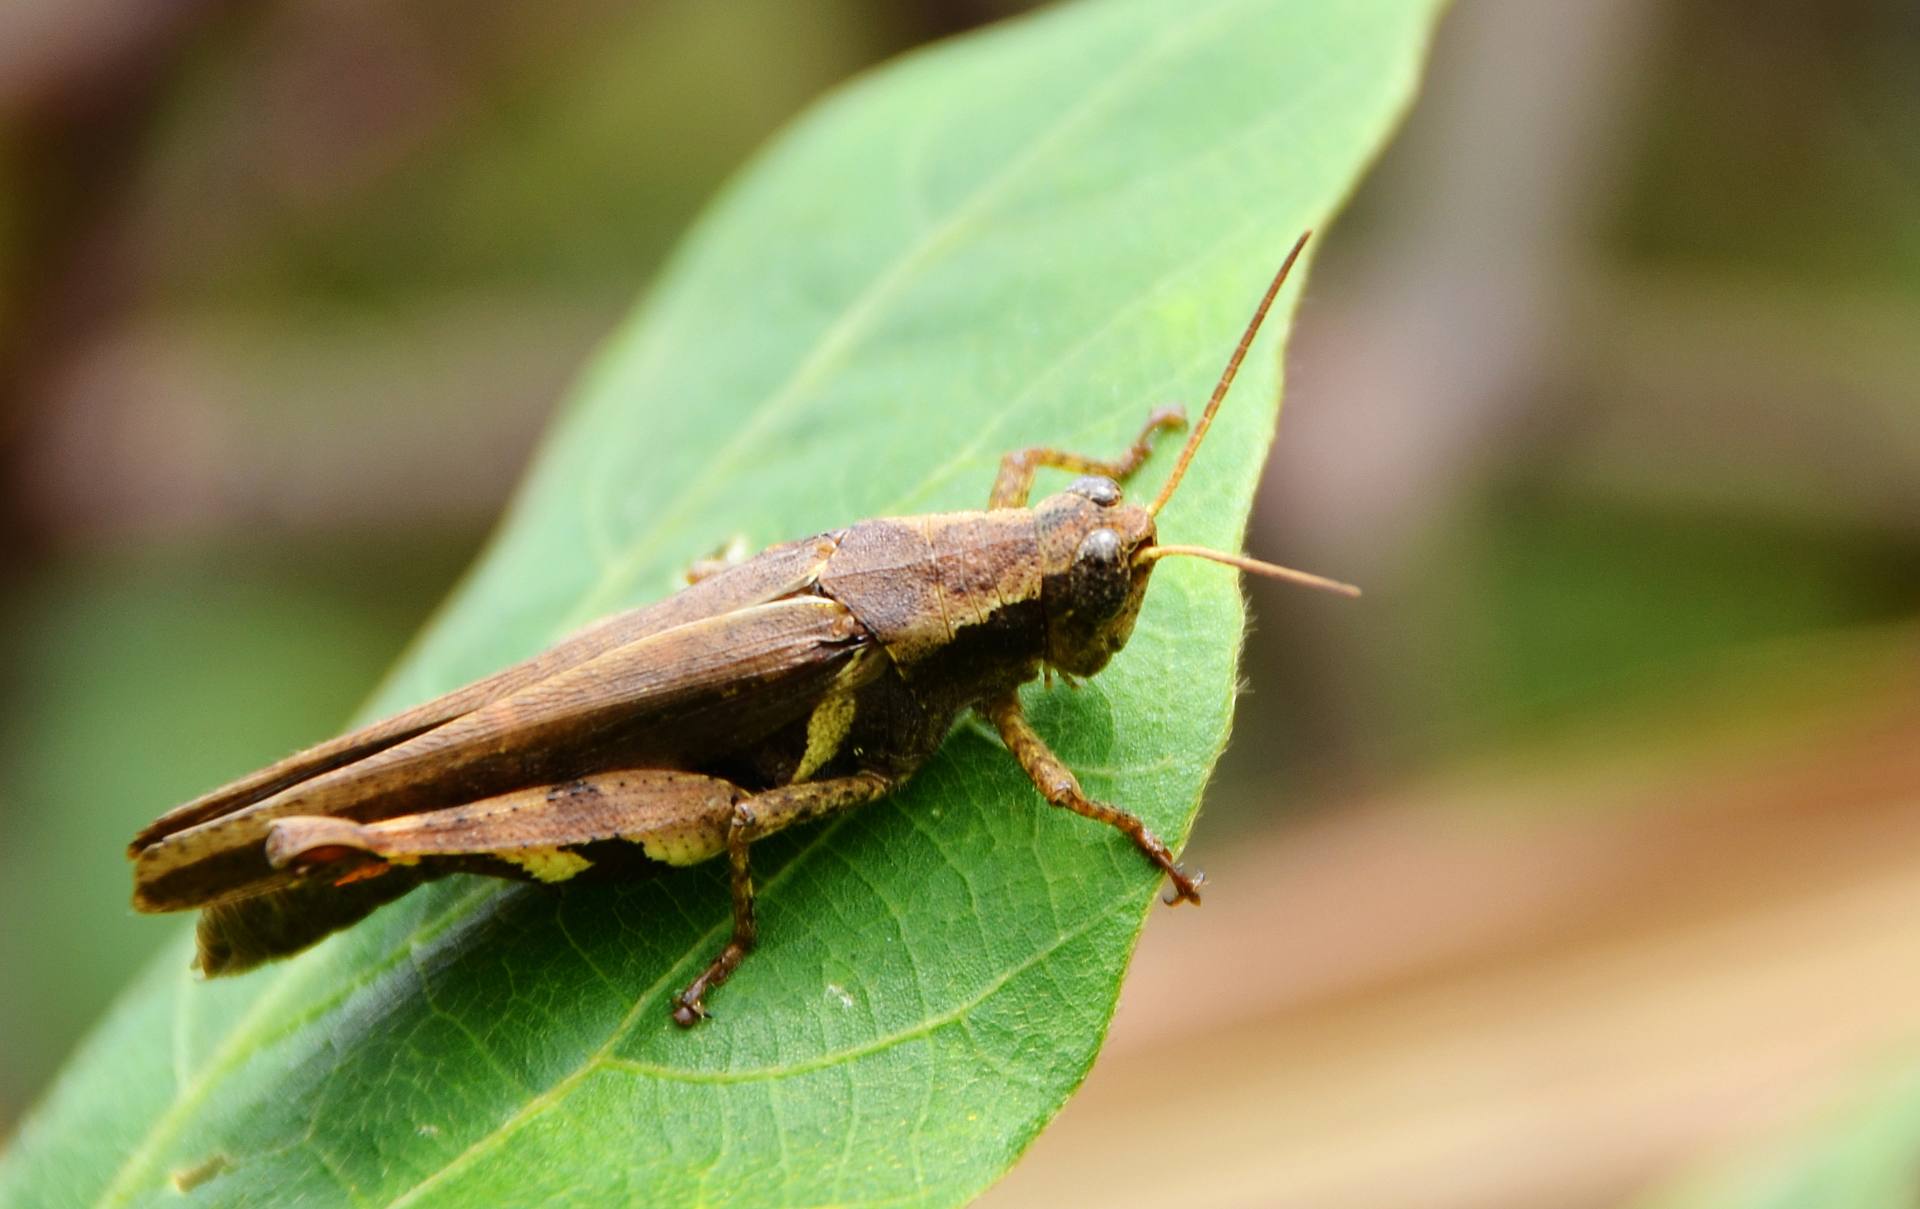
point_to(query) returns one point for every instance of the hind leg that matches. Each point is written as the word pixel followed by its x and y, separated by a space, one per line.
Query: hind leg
pixel 544 834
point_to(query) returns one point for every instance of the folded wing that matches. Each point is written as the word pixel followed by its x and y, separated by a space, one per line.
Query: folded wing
pixel 778 572
pixel 671 699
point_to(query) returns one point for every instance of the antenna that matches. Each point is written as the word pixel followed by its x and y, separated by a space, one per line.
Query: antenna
pixel 1252 565
pixel 1226 378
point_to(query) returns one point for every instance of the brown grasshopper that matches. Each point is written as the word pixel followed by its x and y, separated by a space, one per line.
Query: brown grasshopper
pixel 817 675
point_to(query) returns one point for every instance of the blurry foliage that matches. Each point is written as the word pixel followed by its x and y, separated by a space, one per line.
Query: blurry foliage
pixel 1585 606
pixel 139 679
pixel 539 147
pixel 1781 142
pixel 1858 1156
pixel 1544 616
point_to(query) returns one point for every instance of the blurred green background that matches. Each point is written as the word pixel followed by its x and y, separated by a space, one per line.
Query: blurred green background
pixel 1569 867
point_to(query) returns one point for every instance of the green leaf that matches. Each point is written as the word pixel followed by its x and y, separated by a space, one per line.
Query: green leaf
pixel 1026 236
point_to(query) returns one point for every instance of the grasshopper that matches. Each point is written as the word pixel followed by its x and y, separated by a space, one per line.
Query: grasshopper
pixel 811 678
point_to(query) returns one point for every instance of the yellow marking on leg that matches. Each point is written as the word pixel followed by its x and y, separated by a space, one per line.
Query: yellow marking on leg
pixel 547 864
pixel 687 845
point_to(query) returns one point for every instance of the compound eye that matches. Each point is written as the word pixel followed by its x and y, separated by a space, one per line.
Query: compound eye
pixel 1101 490
pixel 1099 550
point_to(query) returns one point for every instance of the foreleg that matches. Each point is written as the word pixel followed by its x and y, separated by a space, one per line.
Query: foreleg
pixel 1060 787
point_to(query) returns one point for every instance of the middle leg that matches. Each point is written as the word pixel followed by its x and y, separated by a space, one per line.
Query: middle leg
pixel 753 819
pixel 1015 481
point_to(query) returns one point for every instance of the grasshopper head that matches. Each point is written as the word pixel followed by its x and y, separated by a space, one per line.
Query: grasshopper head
pixel 1099 552
pixel 1094 582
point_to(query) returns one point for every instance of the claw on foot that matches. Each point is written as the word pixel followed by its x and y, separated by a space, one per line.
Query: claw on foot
pixel 688 1010
pixel 1170 416
pixel 1181 888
